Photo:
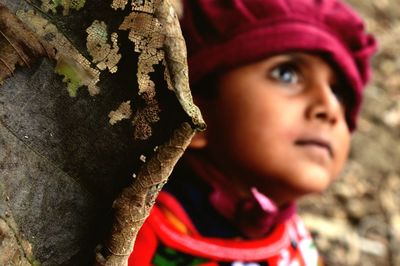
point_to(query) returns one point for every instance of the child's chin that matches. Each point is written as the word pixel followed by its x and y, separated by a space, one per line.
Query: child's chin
pixel 316 183
pixel 316 188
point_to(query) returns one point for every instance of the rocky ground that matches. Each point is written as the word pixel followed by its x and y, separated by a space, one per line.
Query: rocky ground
pixel 357 221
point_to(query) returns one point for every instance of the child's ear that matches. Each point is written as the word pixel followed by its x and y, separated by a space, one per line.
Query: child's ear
pixel 199 141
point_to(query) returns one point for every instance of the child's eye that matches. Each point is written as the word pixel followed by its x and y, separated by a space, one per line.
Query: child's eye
pixel 285 73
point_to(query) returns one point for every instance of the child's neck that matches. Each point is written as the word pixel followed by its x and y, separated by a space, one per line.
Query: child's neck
pixel 251 212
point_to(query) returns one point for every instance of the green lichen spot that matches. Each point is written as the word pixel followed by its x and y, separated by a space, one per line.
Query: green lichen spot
pixel 36 263
pixel 71 77
pixel 52 5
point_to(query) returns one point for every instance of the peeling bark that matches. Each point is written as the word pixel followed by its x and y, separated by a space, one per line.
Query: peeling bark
pixel 19 46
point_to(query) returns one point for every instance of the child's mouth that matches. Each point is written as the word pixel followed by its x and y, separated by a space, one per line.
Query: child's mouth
pixel 318 143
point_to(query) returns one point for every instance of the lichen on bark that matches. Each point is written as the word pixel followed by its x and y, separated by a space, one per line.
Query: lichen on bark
pixel 75 68
pixel 154 29
pixel 52 5
pixel 145 31
pixel 119 4
pixel 146 117
pixel 105 55
pixel 124 111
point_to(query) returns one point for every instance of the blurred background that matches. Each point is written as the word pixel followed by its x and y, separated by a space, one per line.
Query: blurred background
pixel 357 221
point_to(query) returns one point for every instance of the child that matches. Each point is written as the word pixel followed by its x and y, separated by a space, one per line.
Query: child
pixel 279 83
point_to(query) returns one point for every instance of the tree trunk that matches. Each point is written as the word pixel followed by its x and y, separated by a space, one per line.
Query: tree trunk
pixel 94 106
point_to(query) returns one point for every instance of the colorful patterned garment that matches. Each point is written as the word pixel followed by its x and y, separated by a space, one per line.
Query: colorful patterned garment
pixel 169 238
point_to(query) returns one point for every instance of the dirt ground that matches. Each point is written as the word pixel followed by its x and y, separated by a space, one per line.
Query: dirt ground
pixel 357 221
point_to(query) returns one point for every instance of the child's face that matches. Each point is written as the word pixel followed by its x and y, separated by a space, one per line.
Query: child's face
pixel 279 125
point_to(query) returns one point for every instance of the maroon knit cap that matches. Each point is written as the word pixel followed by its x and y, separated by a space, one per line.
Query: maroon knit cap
pixel 223 34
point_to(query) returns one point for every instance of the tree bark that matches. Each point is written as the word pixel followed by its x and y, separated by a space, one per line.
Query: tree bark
pixel 93 94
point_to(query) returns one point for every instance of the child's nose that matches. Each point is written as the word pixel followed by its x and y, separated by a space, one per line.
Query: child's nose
pixel 324 104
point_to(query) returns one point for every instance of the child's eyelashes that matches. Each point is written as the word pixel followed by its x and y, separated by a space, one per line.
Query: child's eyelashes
pixel 286 73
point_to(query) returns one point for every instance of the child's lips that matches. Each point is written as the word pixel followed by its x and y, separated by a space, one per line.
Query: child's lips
pixel 317 143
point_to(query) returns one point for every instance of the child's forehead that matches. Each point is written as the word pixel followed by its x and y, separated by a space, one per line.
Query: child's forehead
pixel 303 57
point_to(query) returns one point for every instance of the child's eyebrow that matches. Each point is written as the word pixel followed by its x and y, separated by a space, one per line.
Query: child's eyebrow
pixel 301 60
pixel 297 58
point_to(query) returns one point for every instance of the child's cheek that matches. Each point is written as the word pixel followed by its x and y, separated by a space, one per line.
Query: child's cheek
pixel 291 135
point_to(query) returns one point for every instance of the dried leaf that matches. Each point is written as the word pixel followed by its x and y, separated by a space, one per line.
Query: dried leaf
pixel 134 204
pixel 18 45
pixel 157 38
pixel 15 250
pixel 178 7
pixel 176 61
pixel 71 63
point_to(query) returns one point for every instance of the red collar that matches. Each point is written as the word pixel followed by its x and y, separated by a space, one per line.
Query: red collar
pixel 214 248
